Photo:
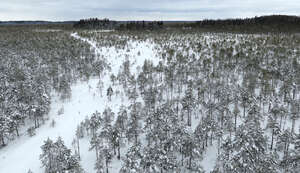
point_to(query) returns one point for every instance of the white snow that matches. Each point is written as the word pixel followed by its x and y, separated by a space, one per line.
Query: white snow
pixel 209 161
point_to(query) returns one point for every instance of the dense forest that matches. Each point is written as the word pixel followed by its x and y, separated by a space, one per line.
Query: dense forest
pixel 273 23
pixel 32 65
pixel 95 23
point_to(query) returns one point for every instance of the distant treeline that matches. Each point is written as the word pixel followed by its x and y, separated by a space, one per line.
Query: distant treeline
pixel 95 23
pixel 141 25
pixel 273 23
pixel 20 22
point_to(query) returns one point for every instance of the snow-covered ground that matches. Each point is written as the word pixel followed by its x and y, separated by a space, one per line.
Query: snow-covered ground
pixel 23 153
pixel 85 100
pixel 26 149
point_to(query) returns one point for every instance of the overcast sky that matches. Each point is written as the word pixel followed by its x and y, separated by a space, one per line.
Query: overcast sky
pixel 59 10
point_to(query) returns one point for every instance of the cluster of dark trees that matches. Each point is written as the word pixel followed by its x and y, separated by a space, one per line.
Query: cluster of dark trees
pixel 263 20
pixel 56 157
pixel 142 25
pixel 95 23
pixel 273 23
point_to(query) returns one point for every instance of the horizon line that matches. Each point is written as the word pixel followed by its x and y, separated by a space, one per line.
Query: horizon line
pixel 171 20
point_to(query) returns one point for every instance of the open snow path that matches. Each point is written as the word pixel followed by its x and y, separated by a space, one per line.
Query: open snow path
pixel 23 153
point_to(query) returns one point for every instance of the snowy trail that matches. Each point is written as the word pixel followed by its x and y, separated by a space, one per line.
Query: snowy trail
pixel 26 150
pixel 139 52
pixel 85 100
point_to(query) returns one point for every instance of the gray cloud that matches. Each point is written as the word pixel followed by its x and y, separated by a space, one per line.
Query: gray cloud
pixel 139 9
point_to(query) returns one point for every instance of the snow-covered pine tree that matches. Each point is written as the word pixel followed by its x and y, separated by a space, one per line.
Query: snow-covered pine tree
pixel 188 102
pixel 56 157
pixel 94 122
pixel 109 93
pixel 274 126
pixel 47 158
pixel 119 130
pixel 249 146
pixel 4 128
pixel 132 160
pixel 134 125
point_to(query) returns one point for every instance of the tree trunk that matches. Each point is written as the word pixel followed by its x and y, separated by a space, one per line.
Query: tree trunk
pixel 35 122
pixel 293 125
pixel 190 162
pixel 181 158
pixel 206 139
pixel 136 138
pixel 272 139
pixel 222 119
pixel 280 121
pixel 219 145
pixel 97 158
pixel 189 118
pixel 119 154
pixel 106 164
pixel 244 106
pixel 177 109
pixel 2 139
pixel 50 162
pixel 235 119
pixel 17 131
pixel 294 93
